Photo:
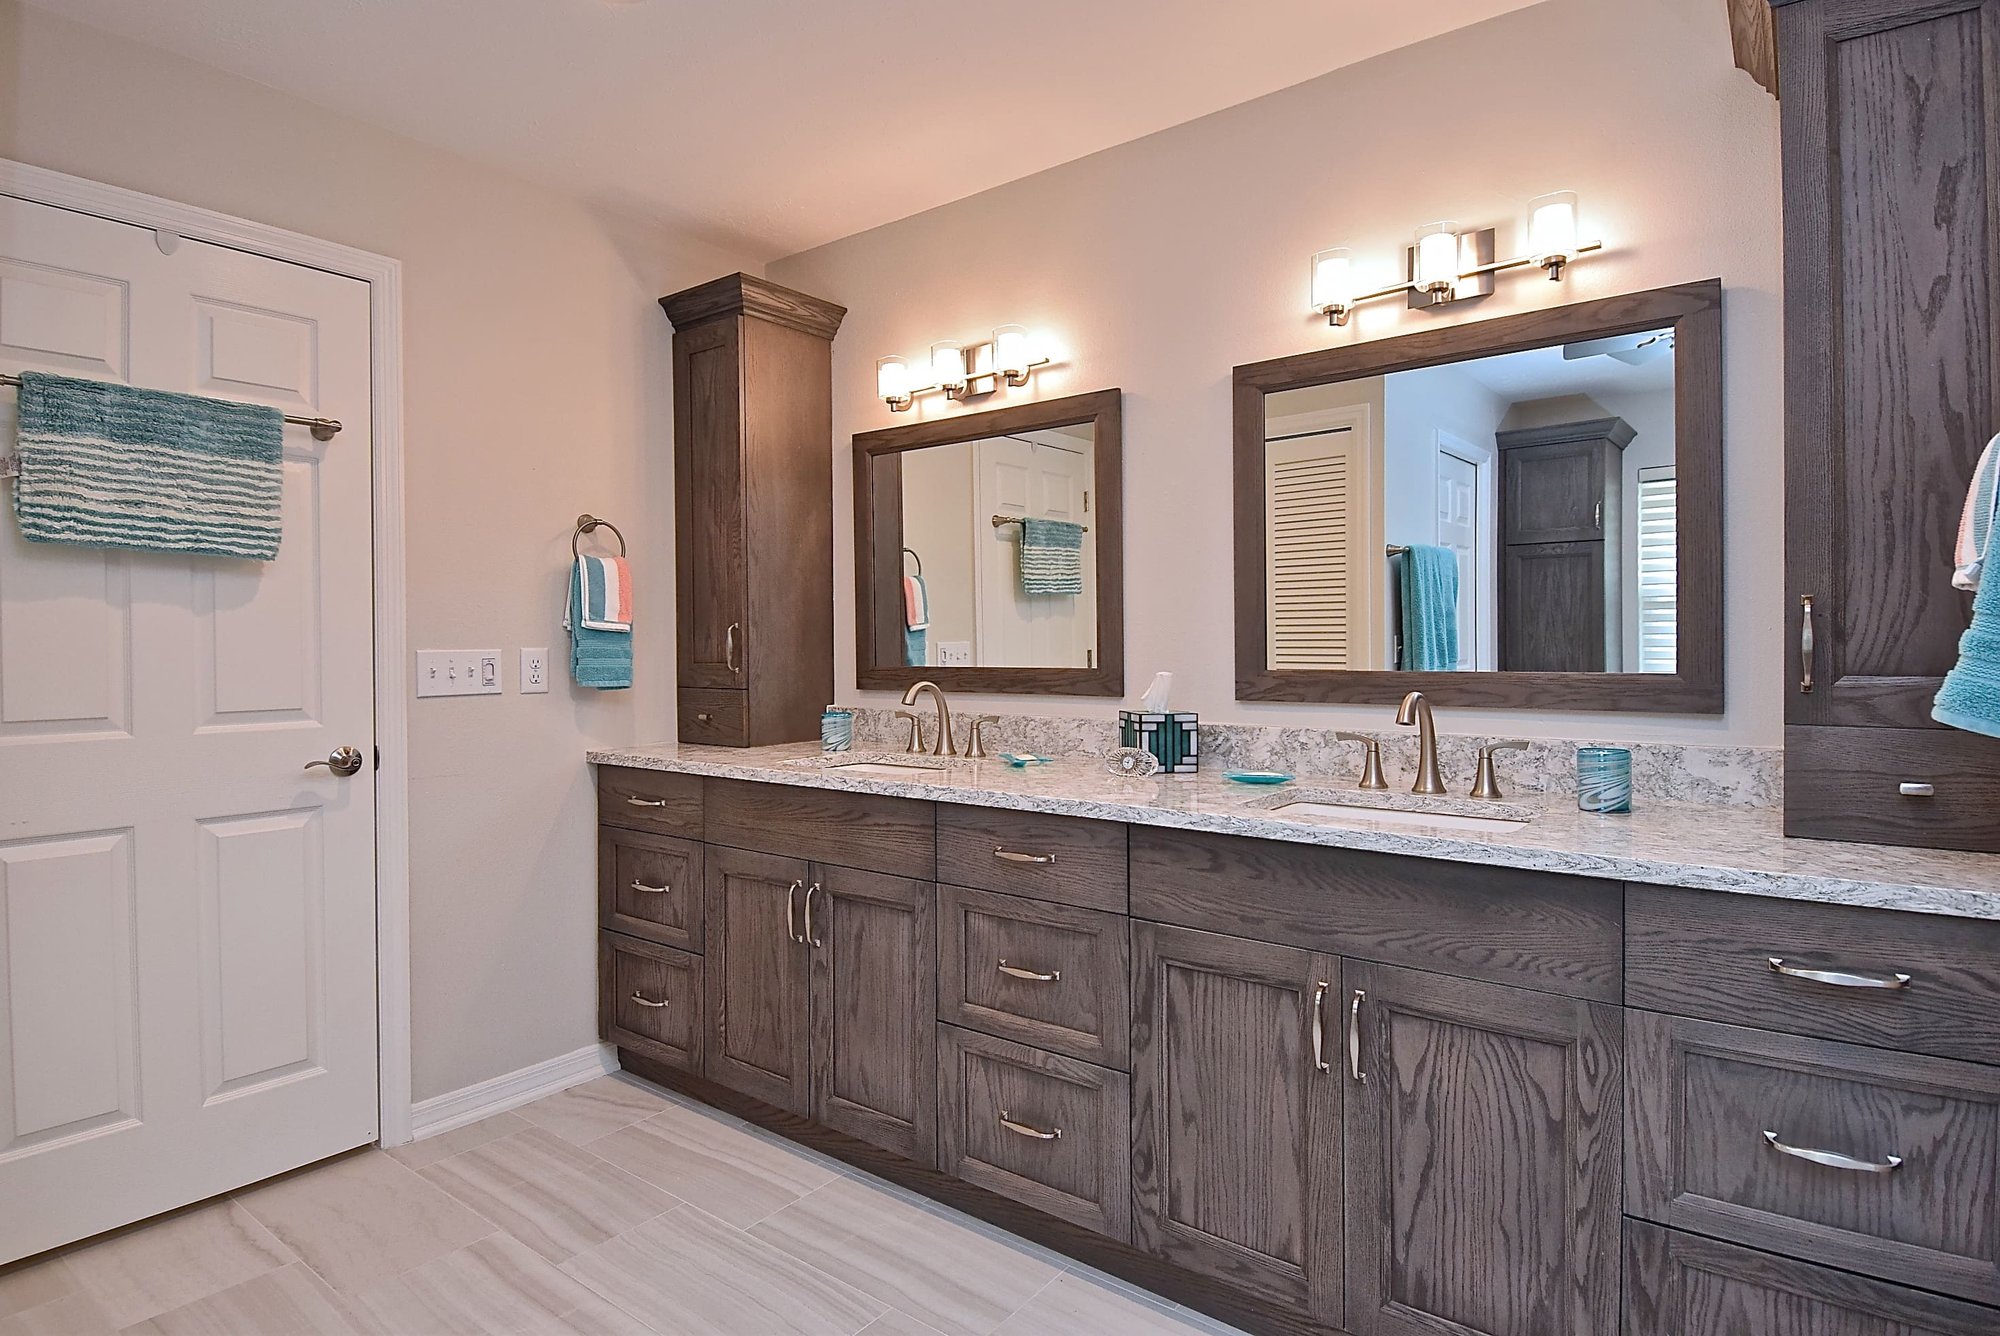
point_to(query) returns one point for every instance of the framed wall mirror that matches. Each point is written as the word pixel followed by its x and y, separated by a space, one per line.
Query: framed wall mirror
pixel 1521 512
pixel 988 551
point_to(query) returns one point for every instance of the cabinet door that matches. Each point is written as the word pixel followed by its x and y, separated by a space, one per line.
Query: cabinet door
pixel 1483 1151
pixel 758 1006
pixel 713 566
pixel 874 991
pixel 1236 1113
pixel 1556 616
pixel 1555 493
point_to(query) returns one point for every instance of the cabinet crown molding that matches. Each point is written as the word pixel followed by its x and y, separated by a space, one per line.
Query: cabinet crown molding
pixel 746 294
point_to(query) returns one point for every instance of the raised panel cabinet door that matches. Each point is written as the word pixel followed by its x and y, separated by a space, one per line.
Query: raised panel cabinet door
pixel 1555 493
pixel 713 565
pixel 1483 1142
pixel 1556 617
pixel 1236 1089
pixel 756 976
pixel 873 948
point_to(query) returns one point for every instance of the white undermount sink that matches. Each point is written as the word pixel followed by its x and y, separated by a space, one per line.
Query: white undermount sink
pixel 885 769
pixel 1398 809
pixel 878 765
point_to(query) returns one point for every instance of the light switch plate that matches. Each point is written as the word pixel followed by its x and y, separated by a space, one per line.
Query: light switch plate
pixel 534 671
pixel 458 672
pixel 954 654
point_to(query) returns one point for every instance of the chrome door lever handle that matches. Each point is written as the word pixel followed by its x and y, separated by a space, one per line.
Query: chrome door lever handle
pixel 342 761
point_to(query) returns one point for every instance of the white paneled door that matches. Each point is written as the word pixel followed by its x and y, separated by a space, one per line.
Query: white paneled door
pixel 187 914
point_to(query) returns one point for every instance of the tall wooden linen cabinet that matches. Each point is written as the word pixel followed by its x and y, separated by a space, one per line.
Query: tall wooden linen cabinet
pixel 753 509
pixel 1891 114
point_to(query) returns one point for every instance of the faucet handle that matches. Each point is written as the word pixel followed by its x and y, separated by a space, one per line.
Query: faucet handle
pixel 916 743
pixel 1371 760
pixel 975 735
pixel 1486 783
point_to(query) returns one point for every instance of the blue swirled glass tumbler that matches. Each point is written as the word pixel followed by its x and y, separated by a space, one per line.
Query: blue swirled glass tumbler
pixel 1603 780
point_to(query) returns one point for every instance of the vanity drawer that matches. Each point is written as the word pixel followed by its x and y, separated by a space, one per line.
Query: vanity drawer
pixel 1704 953
pixel 1877 1162
pixel 1848 784
pixel 655 800
pixel 649 999
pixel 1558 934
pixel 1071 860
pixel 1048 1131
pixel 1054 976
pixel 857 830
pixel 715 718
pixel 649 886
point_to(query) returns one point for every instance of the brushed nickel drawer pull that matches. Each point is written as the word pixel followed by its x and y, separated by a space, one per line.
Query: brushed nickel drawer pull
pixel 1319 1027
pixel 811 938
pixel 791 911
pixel 1354 1037
pixel 1839 978
pixel 1909 790
pixel 1002 852
pixel 1805 644
pixel 645 1001
pixel 730 659
pixel 1833 1159
pixel 1023 1130
pixel 650 890
pixel 1033 976
pixel 645 802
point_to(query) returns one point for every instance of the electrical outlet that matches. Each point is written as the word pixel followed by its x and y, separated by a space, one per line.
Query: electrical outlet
pixel 534 671
pixel 458 672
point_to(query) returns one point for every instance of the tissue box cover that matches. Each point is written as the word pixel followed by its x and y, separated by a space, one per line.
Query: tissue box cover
pixel 1173 738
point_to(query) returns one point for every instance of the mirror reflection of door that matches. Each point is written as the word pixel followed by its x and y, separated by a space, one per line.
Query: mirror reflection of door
pixel 1465 528
pixel 1036 475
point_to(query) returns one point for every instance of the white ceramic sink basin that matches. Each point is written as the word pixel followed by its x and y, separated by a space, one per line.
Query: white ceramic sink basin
pixel 878 765
pixel 885 769
pixel 1396 809
pixel 1398 817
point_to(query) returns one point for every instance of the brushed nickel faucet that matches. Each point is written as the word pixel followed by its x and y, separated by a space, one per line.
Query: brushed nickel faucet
pixel 1416 710
pixel 946 744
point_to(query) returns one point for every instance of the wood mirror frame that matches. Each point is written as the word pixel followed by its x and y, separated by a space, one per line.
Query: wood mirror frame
pixel 1694 310
pixel 878 549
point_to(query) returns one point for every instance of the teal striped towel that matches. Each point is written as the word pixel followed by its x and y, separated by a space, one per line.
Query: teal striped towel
pixel 601 659
pixel 106 465
pixel 1051 557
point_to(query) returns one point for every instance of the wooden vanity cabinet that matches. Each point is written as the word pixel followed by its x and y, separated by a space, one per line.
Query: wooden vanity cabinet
pixel 753 509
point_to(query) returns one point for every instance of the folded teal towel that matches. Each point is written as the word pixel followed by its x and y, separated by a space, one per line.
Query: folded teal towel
pixel 1430 609
pixel 916 648
pixel 106 465
pixel 1970 697
pixel 1051 557
pixel 601 659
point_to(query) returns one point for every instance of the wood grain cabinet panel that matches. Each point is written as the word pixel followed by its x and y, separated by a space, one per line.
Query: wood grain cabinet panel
pixel 1683 1285
pixel 874 1041
pixel 860 830
pixel 652 800
pixel 1236 1092
pixel 650 1000
pixel 649 886
pixel 1070 860
pixel 1483 1149
pixel 1697 953
pixel 1875 1162
pixel 756 976
pixel 1049 975
pixel 1048 1131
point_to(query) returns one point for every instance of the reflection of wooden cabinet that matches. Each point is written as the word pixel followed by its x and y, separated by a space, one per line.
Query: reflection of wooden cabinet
pixel 753 500
pixel 1561 530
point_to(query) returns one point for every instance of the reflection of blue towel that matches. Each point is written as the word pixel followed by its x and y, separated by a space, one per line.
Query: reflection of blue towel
pixel 1970 697
pixel 1051 557
pixel 601 659
pixel 1430 610
pixel 916 648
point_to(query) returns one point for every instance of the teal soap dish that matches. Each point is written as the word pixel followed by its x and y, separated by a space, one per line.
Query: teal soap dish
pixel 1256 777
pixel 1022 761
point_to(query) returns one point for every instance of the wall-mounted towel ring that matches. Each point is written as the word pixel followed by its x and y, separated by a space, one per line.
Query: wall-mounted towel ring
pixel 586 524
pixel 911 553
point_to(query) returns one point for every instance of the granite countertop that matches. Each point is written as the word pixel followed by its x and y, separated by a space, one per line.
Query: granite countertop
pixel 1735 849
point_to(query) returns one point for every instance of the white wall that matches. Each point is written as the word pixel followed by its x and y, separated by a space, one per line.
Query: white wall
pixel 937 525
pixel 1162 263
pixel 536 387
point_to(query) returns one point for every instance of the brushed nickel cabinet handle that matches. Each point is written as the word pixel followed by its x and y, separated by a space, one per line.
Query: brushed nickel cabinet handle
pixel 1319 1027
pixel 1597 516
pixel 1839 978
pixel 1833 1159
pixel 645 802
pixel 1354 1037
pixel 1023 1130
pixel 730 657
pixel 811 938
pixel 650 890
pixel 1011 856
pixel 645 1001
pixel 1805 644
pixel 1909 790
pixel 1034 976
pixel 703 717
pixel 791 911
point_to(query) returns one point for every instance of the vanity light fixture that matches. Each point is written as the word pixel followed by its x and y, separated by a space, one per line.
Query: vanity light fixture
pixel 960 370
pixel 1448 264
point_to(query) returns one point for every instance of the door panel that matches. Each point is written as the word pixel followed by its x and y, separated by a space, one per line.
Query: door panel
pixel 1484 1146
pixel 756 975
pixel 187 979
pixel 713 568
pixel 1235 1126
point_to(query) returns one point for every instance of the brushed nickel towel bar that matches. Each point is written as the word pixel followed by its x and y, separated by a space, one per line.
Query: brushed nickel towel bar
pixel 323 429
pixel 999 520
pixel 1396 549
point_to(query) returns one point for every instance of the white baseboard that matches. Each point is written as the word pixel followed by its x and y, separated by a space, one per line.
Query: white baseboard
pixel 502 1093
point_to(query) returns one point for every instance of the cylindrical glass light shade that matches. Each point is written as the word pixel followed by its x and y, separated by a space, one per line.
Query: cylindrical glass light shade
pixel 948 367
pixel 1552 228
pixel 1333 280
pixel 892 381
pixel 1437 257
pixel 1012 353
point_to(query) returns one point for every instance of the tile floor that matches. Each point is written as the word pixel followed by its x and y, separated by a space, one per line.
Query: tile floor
pixel 610 1208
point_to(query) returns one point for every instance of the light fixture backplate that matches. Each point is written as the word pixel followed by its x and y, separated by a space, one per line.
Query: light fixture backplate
pixel 1475 250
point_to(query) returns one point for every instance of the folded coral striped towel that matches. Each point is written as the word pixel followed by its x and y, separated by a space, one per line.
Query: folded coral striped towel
pixel 606 584
pixel 1975 523
pixel 601 659
pixel 106 465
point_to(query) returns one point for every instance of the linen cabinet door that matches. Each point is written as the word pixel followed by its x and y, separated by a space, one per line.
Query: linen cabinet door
pixel 874 990
pixel 712 565
pixel 756 976
pixel 1484 1134
pixel 1236 1113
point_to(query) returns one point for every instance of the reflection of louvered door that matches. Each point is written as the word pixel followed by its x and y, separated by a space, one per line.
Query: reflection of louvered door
pixel 1321 579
